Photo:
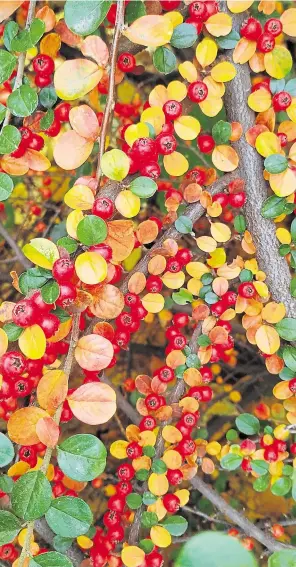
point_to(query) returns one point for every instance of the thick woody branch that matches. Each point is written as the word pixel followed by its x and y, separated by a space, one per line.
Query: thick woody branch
pixel 250 169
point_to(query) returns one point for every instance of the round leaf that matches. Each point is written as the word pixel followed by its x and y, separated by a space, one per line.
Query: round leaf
pixel 23 101
pixel 6 186
pixel 84 17
pixel 93 403
pixel 134 501
pixel 50 559
pixel 82 457
pixel 276 163
pixel 164 60
pixel 284 558
pixel 91 230
pixel 231 461
pixel 31 496
pixel 247 424
pixel 10 139
pixel 50 292
pixel 69 516
pixel 7 64
pixel 6 450
pixel 10 526
pixel 213 549
pixel 143 187
pixel 175 525
pixel 184 35
pixel 115 164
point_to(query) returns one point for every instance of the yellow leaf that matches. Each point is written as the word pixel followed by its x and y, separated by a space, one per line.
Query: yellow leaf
pixel 132 556
pixel 85 542
pixel 223 72
pixel 244 50
pixel 261 289
pixel 196 269
pixel 71 150
pixel 267 143
pixel 221 232
pixel 175 164
pixel 32 342
pixel 219 24
pixel 206 52
pixel 160 536
pixel 173 280
pixel 91 268
pixel 73 221
pixel 172 459
pixel 175 17
pixel 260 100
pixel 288 20
pixel 225 158
pixel 206 243
pixel 154 116
pixel 267 339
pixel 171 434
pixel 278 62
pixel 41 252
pixel 283 184
pixel 135 131
pixel 18 469
pixel 3 342
pixel 283 235
pixel 273 312
pixel 239 6
pixel 176 91
pixel 230 272
pixel 183 496
pixel 127 204
pixel 118 449
pixel 151 31
pixel 211 106
pixel 80 197
pixel 188 71
pixel 187 127
pixel 153 302
pixel 158 484
pixel 158 96
pixel 115 164
pixel 75 78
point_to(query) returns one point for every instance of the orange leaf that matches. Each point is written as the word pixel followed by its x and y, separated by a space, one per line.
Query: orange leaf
pixel 68 37
pixel 7 8
pixel 84 121
pixel 52 390
pixel 93 403
pixel 137 283
pixel 93 46
pixel 48 431
pixel 37 161
pixel 94 352
pixel 71 150
pixel 22 425
pixel 143 384
pixel 267 339
pixel 14 166
pixel 147 231
pixel 225 158
pixel 121 238
pixel 108 302
pixel 47 15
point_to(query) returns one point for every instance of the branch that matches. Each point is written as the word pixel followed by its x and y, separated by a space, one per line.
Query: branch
pixel 251 170
pixel 110 99
pixel 205 516
pixel 13 245
pixel 44 531
pixel 236 517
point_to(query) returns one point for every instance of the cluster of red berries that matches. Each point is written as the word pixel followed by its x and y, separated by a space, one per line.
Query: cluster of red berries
pixel 234 200
pixel 43 66
pixel 265 37
pixel 200 11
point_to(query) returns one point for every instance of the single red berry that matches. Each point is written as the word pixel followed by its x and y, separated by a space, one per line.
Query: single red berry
pixel 165 144
pixel 36 143
pixel 54 128
pixel 62 111
pixel 103 207
pixel 134 450
pixel 218 308
pixel 103 249
pixel 171 503
pixel 197 91
pixel 39 304
pixel 173 265
pixel 116 503
pixel 174 477
pixel 251 29
pixel 150 169
pixel 28 454
pixel 198 10
pixel 293 449
pixel 230 298
pixel 169 5
pixel 189 420
pixel 154 284
pixel 115 534
pixel 172 109
pixel 24 314
pixel 237 200
pixel 271 454
pixel 180 320
pixel 152 402
pixel 144 149
pixel 42 81
pixel 178 342
pixel 124 487
pixel 205 143
pixel 63 270
pixel 273 26
pixel 49 324
pixel 148 423
pixel 266 42
pixel 125 472
pixel 43 65
pixel 67 295
pixel 155 559
pixel 281 101
pixel 165 374
pixel 186 447
pixel 283 139
pixel 126 62
pixel 292 385
pixel 221 198
pixel 246 290
pixel 184 256
pixel 207 374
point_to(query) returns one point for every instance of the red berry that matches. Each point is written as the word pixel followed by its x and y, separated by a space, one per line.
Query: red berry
pixel 39 304
pixel 103 207
pixel 28 454
pixel 293 449
pixel 24 314
pixel 281 101
pixel 186 447
pixel 184 256
pixel 152 402
pixel 197 91
pixel 266 42
pixel 116 503
pixel 43 65
pixel 189 420
pixel 168 5
pixel 221 198
pixel 103 249
pixel 62 111
pixel 251 29
pixel 150 169
pixel 148 423
pixel 166 144
pixel 42 81
pixel 283 139
pixel 49 324
pixel 125 472
pixel 154 284
pixel 178 342
pixel 171 503
pixel 237 200
pixel 180 320
pixel 36 143
pixel 172 109
pixel 134 450
pixel 292 385
pixel 206 143
pixel 271 454
pixel 198 10
pixel 144 149
pixel 63 270
pixel 115 534
pixel 67 295
pixel 165 374
pixel 174 477
pixel 273 26
pixel 126 62
pixel 54 128
pixel 247 290
pixel 173 265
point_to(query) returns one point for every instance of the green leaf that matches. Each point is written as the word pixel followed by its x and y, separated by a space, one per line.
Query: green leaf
pixel 149 498
pixel 23 101
pixel 31 496
pixel 6 450
pixel 33 278
pixel 284 558
pixel 26 39
pixel 50 559
pixel 231 435
pixel 134 10
pixel 184 35
pixel 62 544
pixel 281 486
pixel 293 287
pixel 289 356
pixel 92 230
pixel 211 297
pixel 273 207
pixel 149 451
pixel 192 361
pixel 7 65
pixel 10 526
pixel 277 85
pixel 84 16
pixel 183 225
pixel 149 519
pixel 82 457
pixel 68 243
pixel 293 230
pixel 6 484
pixel 47 120
pixel 260 467
pixel 246 276
pixel 221 132
pixel 284 249
pixel 61 314
pixel 214 549
pixel 143 187
pixel 48 97
pixel 247 424
pixel 276 163
pixel 50 291
pixel 164 60
pixel 2 112
pixel 147 545
pixel 10 31
pixel 159 467
pixel 9 140
pixel 13 331
pixel 134 501
pixel 228 41
pixel 203 340
pixel 231 461
pixel 290 87
pixel 69 516
pixel 286 374
pixel 176 525
pixel 6 186
pixel 240 223
pixel 142 475
pixel 182 296
pixel 286 328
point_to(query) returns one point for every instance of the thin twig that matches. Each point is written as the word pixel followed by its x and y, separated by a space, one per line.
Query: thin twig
pixel 111 98
pixel 205 516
